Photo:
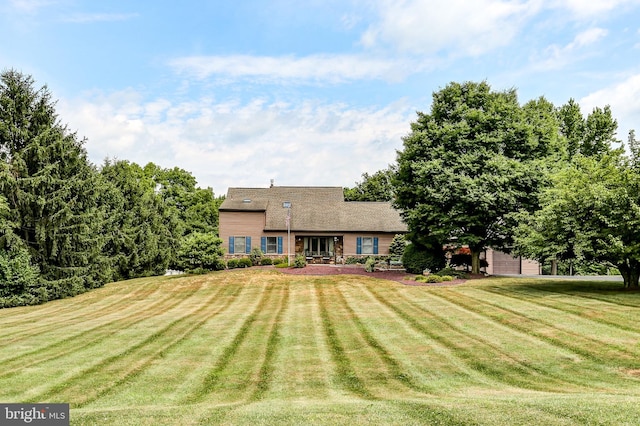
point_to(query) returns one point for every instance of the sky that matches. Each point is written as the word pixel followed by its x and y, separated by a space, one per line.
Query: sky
pixel 313 92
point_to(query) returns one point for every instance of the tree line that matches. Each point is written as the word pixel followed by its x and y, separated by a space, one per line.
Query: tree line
pixel 66 225
pixel 482 170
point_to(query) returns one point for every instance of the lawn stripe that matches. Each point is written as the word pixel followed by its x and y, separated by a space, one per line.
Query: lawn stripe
pixel 530 369
pixel 211 380
pixel 517 373
pixel 395 369
pixel 95 335
pixel 574 308
pixel 345 375
pixel 77 309
pixel 189 329
pixel 119 365
pixel 267 369
pixel 580 344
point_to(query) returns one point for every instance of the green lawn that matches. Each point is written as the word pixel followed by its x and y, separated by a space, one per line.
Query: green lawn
pixel 261 347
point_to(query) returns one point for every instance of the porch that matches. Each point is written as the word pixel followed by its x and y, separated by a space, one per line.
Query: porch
pixel 320 249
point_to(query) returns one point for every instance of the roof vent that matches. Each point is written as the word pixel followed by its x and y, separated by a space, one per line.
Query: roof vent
pixel 246 200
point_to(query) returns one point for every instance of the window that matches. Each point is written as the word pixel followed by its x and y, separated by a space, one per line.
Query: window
pixel 318 246
pixel 271 245
pixel 367 245
pixel 239 245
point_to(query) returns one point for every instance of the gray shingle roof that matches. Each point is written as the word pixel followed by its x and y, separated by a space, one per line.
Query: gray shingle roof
pixel 313 208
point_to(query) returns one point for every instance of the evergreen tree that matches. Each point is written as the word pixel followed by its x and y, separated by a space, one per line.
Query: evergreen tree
pixel 51 189
pixel 144 228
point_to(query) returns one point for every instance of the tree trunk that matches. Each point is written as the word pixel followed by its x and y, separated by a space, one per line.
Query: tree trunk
pixel 475 261
pixel 554 267
pixel 630 275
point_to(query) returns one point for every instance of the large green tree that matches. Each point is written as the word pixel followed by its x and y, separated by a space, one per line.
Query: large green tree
pixel 144 229
pixel 591 212
pixel 590 136
pixel 197 207
pixel 375 187
pixel 52 190
pixel 469 164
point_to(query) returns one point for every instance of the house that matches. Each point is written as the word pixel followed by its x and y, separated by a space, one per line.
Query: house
pixel 318 223
pixel 312 221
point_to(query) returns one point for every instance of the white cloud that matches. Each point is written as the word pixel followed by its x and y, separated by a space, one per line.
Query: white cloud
pixel 556 57
pixel 624 99
pixel 242 144
pixel 582 9
pixel 30 6
pixel 428 27
pixel 314 68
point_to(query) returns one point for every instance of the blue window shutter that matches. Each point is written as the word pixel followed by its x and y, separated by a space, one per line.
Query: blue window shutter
pixel 279 245
pixel 359 245
pixel 247 248
pixel 230 245
pixel 375 245
pixel 263 244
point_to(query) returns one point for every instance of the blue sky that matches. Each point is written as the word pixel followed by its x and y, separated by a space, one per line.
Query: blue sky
pixel 305 93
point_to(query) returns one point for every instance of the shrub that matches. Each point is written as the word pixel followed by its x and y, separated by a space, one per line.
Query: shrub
pixel 266 261
pixel 245 262
pixel 370 264
pixel 453 273
pixel 433 279
pixel 446 278
pixel 18 274
pixel 300 261
pixel 200 251
pixel 417 258
pixel 281 265
pixel 232 263
pixel 397 246
pixel 256 256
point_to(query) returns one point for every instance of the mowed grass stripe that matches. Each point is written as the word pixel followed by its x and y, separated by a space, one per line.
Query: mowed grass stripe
pixel 189 325
pixel 59 369
pixel 69 311
pixel 543 366
pixel 265 376
pixel 584 336
pixel 545 329
pixel 394 369
pixel 606 293
pixel 431 366
pixel 606 313
pixel 345 375
pixel 179 370
pixel 212 380
pixel 302 366
pixel 479 355
pixel 108 367
pixel 69 343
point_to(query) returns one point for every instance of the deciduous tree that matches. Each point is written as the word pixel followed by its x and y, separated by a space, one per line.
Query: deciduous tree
pixel 590 212
pixel 468 165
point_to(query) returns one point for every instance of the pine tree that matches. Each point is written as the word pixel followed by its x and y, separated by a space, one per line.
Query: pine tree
pixel 51 189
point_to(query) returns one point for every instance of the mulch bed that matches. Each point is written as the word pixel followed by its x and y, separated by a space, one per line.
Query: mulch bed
pixel 398 276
